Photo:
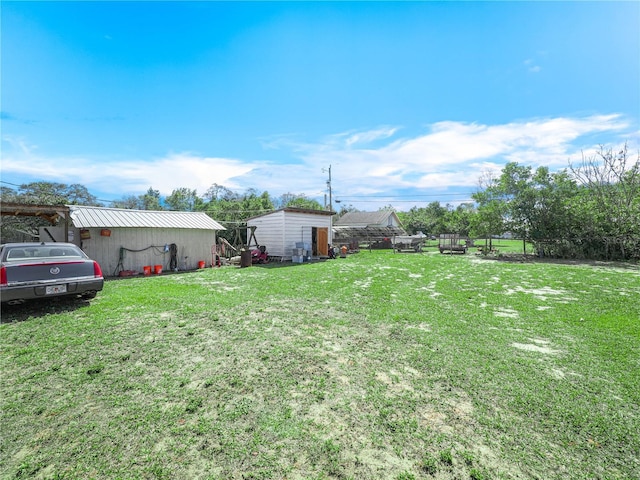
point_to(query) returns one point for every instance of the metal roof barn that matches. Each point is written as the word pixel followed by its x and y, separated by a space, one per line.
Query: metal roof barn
pixel 98 217
pixel 123 240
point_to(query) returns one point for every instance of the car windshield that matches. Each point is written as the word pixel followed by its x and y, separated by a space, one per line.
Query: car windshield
pixel 42 252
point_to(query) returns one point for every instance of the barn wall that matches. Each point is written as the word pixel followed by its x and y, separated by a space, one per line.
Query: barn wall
pixel 193 246
pixel 270 232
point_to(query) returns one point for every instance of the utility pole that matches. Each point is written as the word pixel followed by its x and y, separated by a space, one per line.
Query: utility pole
pixel 329 188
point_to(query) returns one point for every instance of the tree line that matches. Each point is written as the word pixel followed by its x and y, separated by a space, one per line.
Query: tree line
pixel 587 210
pixel 227 207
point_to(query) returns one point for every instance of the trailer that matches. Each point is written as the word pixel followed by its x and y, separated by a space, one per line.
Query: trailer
pixel 408 243
pixel 452 243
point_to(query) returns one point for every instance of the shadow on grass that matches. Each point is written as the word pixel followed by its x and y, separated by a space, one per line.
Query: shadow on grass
pixel 40 308
pixel 287 264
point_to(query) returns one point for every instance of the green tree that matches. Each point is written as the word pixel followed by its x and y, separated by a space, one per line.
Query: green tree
pixel 254 203
pixel 51 193
pixel 216 192
pixel 413 220
pixel 588 211
pixel 299 201
pixel 131 202
pixel 532 205
pixel 489 218
pixel 151 200
pixel 429 220
pixel 182 200
pixel 608 204
pixel 232 209
pixel 458 220
pixel 8 194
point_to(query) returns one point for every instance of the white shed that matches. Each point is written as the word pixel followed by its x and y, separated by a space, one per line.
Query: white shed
pixel 282 230
pixel 121 239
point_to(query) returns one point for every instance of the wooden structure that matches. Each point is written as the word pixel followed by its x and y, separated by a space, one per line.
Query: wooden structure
pixel 238 240
pixel 53 214
pixel 370 228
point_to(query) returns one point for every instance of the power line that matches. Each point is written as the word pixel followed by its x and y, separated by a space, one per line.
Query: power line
pixel 399 201
pixel 411 196
pixel 9 183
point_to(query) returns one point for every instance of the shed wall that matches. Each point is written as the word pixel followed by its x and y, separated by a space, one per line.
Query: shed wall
pixel 193 246
pixel 280 231
pixel 298 229
pixel 270 232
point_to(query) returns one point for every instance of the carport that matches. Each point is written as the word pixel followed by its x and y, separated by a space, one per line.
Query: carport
pixel 51 213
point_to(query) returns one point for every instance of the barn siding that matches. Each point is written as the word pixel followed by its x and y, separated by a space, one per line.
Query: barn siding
pixel 193 246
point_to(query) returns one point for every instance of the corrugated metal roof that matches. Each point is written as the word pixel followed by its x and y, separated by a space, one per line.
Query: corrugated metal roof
pixel 100 217
pixel 358 219
pixel 342 233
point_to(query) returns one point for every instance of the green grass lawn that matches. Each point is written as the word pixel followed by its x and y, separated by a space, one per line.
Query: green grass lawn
pixel 380 365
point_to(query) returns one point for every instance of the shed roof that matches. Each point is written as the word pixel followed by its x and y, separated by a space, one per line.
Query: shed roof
pixel 363 219
pixel 101 217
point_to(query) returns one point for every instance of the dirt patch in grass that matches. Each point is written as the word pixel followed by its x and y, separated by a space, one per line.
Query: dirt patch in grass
pixel 521 258
pixel 533 347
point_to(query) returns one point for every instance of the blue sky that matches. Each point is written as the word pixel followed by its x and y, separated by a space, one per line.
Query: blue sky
pixel 409 102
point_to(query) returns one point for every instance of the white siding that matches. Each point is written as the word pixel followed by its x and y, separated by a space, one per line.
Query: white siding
pixel 193 246
pixel 298 228
pixel 280 231
pixel 270 232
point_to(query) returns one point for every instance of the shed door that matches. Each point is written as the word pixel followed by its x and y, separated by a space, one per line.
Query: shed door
pixel 323 241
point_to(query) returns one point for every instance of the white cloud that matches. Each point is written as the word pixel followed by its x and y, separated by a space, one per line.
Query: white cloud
pixel 129 176
pixel 370 136
pixel 531 66
pixel 448 155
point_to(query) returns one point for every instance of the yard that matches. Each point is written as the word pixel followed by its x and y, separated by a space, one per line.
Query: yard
pixel 377 366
